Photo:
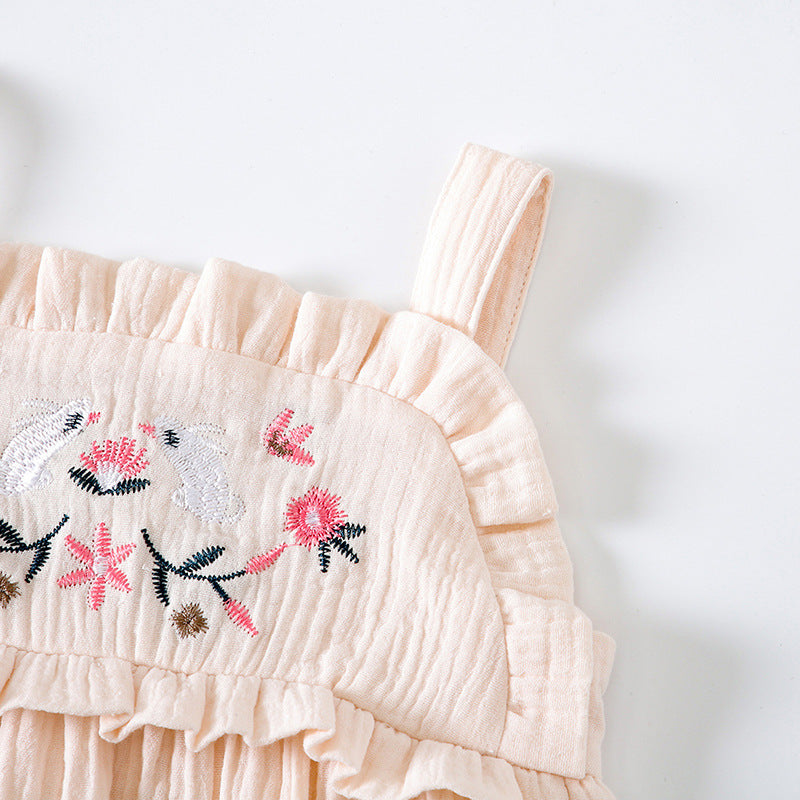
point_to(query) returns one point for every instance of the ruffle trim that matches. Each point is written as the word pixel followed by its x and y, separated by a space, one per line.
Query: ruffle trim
pixel 486 426
pixel 369 760
pixel 463 390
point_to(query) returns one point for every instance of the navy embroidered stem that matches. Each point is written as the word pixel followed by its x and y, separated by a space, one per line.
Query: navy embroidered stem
pixel 324 548
pixel 41 547
pixel 220 591
pixel 344 548
pixel 337 539
pixel 202 558
pixel 89 483
pixel 350 531
pixel 190 569
pixel 160 583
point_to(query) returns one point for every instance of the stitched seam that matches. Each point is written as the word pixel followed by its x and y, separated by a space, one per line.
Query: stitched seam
pixel 531 262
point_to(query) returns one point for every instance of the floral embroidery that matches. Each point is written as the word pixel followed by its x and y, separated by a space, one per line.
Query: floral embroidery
pixel 41 547
pixel 314 516
pixel 314 519
pixel 191 570
pixel 111 468
pixel 317 521
pixel 23 464
pixel 286 443
pixel 8 589
pixel 198 460
pixel 189 620
pixel 101 565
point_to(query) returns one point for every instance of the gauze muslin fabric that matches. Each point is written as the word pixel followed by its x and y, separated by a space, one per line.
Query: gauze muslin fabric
pixel 258 544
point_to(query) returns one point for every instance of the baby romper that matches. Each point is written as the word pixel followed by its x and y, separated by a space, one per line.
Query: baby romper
pixel 262 545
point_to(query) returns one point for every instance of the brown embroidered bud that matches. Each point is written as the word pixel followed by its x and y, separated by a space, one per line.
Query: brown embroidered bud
pixel 8 589
pixel 276 446
pixel 189 620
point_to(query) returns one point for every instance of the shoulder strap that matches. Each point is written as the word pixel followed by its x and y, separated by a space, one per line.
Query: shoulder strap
pixel 481 246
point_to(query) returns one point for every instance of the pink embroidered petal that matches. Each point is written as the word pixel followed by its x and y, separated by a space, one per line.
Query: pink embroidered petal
pixel 75 578
pixel 102 541
pixel 118 580
pixel 299 434
pixel 240 615
pixel 102 565
pixel 286 444
pixel 120 553
pixel 115 456
pixel 79 550
pixel 97 592
pixel 297 455
pixel 281 422
pixel 261 562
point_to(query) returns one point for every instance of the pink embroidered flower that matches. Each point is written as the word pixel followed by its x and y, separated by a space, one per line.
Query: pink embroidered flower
pixel 286 443
pixel 102 564
pixel 112 466
pixel 314 517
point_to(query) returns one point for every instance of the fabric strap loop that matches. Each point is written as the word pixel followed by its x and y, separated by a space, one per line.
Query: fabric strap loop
pixel 481 246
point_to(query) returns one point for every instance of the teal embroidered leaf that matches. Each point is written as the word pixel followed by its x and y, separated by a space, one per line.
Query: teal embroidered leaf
pixel 39 559
pixel 160 583
pixel 344 548
pixel 324 555
pixel 10 535
pixel 349 530
pixel 201 559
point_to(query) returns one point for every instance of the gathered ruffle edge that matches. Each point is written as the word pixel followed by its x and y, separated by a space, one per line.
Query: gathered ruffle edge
pixel 406 355
pixel 489 432
pixel 369 759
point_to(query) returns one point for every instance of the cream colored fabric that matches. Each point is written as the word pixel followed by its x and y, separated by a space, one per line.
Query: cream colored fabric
pixel 173 445
pixel 481 246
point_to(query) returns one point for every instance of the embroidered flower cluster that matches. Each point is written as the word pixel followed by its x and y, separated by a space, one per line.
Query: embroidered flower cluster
pixel 314 520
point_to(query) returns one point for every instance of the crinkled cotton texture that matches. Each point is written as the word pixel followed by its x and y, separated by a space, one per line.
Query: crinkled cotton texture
pixel 257 544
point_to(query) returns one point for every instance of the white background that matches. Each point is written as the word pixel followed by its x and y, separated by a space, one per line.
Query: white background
pixel 658 352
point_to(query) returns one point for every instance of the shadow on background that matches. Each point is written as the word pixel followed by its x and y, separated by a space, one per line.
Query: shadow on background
pixel 661 712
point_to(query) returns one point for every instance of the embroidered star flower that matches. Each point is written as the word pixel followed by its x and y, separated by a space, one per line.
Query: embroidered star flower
pixel 101 565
